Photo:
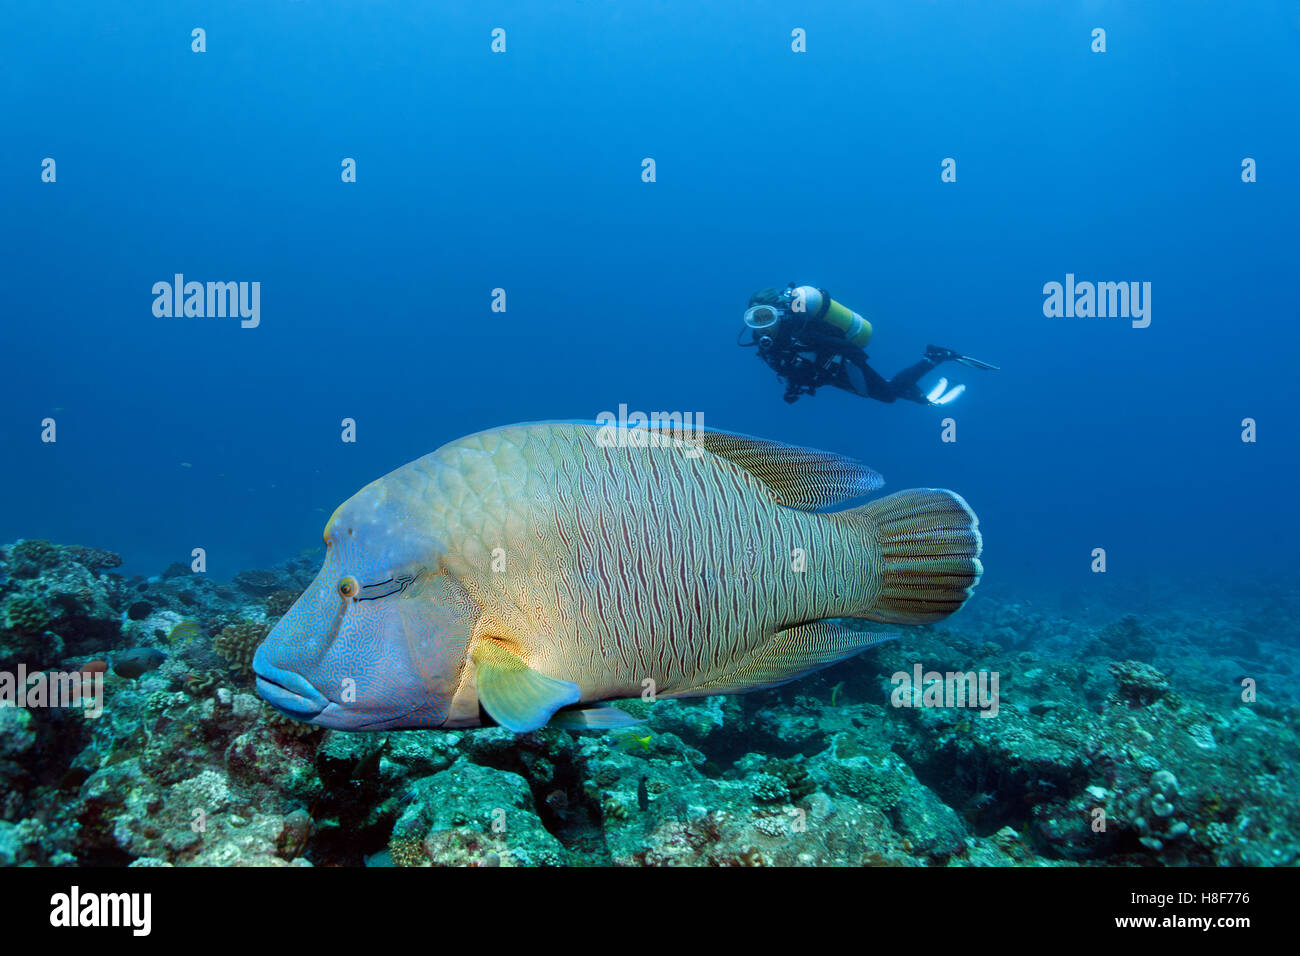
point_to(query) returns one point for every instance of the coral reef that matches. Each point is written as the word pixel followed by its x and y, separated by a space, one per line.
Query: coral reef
pixel 278 602
pixel 1167 738
pixel 1137 683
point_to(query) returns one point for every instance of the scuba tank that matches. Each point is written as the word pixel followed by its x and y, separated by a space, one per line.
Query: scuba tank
pixel 817 304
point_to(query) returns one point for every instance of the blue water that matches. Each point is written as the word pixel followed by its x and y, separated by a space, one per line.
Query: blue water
pixel 522 171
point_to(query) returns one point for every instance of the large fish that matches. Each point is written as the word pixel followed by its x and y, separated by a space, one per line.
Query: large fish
pixel 529 572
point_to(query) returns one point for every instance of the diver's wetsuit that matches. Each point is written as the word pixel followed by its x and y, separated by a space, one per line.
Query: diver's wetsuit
pixel 807 353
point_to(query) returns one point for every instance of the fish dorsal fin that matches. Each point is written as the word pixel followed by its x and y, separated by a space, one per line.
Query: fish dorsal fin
pixel 802 478
pixel 519 698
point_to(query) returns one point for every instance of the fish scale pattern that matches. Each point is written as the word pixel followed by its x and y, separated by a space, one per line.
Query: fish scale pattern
pixel 622 563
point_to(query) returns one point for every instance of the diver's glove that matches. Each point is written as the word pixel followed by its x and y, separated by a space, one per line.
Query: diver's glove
pixel 937 354
pixel 938 395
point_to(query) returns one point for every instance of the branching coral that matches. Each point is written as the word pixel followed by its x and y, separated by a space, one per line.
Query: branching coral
pixel 238 642
pixel 27 615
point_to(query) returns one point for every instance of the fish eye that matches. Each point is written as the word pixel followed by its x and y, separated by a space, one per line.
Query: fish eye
pixel 349 587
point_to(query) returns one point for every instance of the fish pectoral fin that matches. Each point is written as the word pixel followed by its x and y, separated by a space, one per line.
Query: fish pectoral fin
pixel 594 718
pixel 517 697
pixel 790 654
pixel 797 477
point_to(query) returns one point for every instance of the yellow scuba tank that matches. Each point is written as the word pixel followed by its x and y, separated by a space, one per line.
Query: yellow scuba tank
pixel 819 305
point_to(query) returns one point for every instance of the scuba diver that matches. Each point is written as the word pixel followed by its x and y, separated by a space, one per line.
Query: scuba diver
pixel 810 340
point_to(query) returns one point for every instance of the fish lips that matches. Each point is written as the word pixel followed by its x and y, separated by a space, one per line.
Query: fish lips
pixel 295 697
pixel 300 706
pixel 324 713
pixel 286 691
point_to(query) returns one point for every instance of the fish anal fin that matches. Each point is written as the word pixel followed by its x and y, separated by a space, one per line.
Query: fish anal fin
pixel 516 696
pixel 791 654
pixel 594 718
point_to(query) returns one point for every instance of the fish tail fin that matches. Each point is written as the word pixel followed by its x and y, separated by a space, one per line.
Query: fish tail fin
pixel 928 543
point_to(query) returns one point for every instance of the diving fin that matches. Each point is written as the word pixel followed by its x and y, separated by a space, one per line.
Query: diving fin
pixel 937 354
pixel 950 396
pixel 937 395
pixel 975 363
pixel 517 697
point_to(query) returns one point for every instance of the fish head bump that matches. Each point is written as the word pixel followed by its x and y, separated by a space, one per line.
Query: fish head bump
pixel 379 639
